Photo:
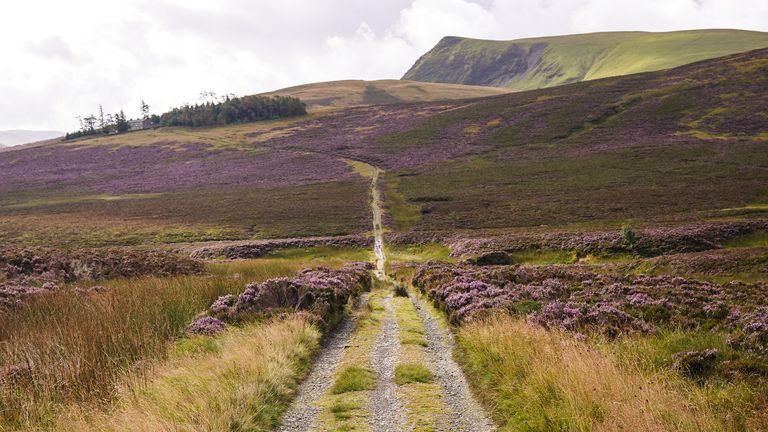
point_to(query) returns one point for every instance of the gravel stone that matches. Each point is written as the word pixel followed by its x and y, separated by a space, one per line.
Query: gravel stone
pixel 466 413
pixel 386 407
pixel 303 413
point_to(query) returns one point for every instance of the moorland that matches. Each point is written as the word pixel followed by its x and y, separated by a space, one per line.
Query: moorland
pixel 589 256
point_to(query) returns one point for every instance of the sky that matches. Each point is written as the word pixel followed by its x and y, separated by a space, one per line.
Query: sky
pixel 61 59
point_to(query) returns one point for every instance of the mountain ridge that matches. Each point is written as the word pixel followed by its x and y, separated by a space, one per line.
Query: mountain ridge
pixel 541 62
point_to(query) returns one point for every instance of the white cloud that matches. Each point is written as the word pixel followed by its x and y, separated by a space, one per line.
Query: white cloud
pixel 61 59
pixel 426 21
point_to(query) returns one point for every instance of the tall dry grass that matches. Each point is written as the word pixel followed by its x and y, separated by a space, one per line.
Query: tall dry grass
pixel 538 380
pixel 69 347
pixel 241 381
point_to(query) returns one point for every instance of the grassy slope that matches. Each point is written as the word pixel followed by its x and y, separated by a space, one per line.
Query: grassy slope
pixel 176 184
pixel 349 93
pixel 527 64
pixel 678 145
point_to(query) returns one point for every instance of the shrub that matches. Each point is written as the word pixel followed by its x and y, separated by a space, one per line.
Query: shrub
pixel 696 364
pixel 401 290
pixel 493 258
pixel 628 235
pixel 577 298
pixel 321 291
pixel 206 326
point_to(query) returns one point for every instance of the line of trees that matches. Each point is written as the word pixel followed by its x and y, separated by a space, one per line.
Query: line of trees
pixel 210 111
pixel 234 110
pixel 106 123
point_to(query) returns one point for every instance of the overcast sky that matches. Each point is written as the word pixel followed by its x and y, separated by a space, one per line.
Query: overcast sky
pixel 63 58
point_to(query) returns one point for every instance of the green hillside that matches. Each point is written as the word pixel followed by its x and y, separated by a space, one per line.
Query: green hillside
pixel 527 64
pixel 349 93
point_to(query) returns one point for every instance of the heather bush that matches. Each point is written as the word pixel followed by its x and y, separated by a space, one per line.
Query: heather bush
pixel 696 364
pixel 578 298
pixel 260 248
pixel 748 263
pixel 752 332
pixel 320 291
pixel 36 271
pixel 45 264
pixel 647 242
pixel 206 325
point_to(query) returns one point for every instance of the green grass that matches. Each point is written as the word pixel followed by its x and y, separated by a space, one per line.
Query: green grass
pixel 342 409
pixel 342 94
pixel 323 254
pixel 558 157
pixel 352 379
pixel 655 352
pixel 423 397
pixel 75 199
pixel 541 257
pixel 755 239
pixel 412 373
pixel 405 214
pixel 543 189
pixel 362 168
pixel 195 345
pixel 575 58
pixel 346 407
pixel 418 253
pixel 255 269
pixel 410 326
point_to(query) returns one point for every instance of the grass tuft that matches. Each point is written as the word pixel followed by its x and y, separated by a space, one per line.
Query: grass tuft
pixel 401 290
pixel 412 373
pixel 195 345
pixel 354 379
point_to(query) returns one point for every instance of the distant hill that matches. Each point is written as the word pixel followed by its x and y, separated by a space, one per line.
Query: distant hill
pixel 15 137
pixel 527 64
pixel 349 93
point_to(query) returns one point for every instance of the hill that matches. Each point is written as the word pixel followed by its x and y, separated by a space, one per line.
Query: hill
pixel 15 137
pixel 527 64
pixel 673 146
pixel 350 93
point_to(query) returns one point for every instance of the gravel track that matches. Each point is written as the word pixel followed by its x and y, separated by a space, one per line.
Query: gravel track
pixel 466 414
pixel 386 407
pixel 303 413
